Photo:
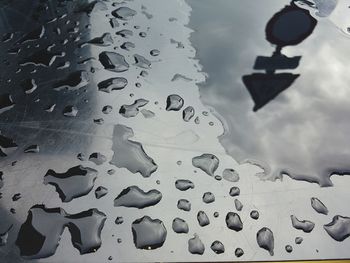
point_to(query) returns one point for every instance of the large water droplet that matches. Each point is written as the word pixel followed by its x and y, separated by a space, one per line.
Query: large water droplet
pixel 265 239
pixel 130 154
pixel 206 162
pixel 76 182
pixel 113 61
pixel 304 225
pixel 319 206
pixel 180 226
pixel 174 102
pixel 40 234
pixel 339 228
pixel 148 233
pixel 133 196
pixel 233 221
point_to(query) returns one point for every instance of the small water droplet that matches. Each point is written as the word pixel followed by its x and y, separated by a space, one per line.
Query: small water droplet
pixel 97 158
pixel 100 192
pixel 238 205
pixel 230 175
pixel 254 214
pixel 174 103
pixel 289 248
pixel 298 240
pixel 180 226
pixel 183 184
pixel 188 113
pixel 119 220
pixel 234 191
pixel 319 206
pixel 124 13
pixel 184 204
pixel 196 246
pixel 305 225
pixel 111 84
pixel 208 197
pixel 202 218
pixel 113 61
pixel 233 221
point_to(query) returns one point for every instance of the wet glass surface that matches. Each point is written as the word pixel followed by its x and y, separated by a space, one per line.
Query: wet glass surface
pixel 138 131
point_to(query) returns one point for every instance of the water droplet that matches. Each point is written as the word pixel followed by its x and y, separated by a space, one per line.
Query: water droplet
pixel 202 218
pixel 81 157
pixel 107 109
pixel 133 196
pixel 124 33
pixel 7 37
pixel 180 226
pixel 111 171
pixel 29 85
pixel 265 239
pixel 238 205
pixel 216 214
pixel 174 103
pixel 113 22
pixel 184 204
pixel 105 40
pixel 142 34
pixel 172 19
pixel 142 62
pixel 100 192
pixel 195 245
pixel 111 84
pixel 130 154
pixel 124 13
pixel 70 111
pixel 206 162
pixel 73 81
pixel 119 220
pixel 239 252
pixel 298 240
pixel 63 65
pixel 16 197
pixel 132 110
pixel 6 102
pixel 154 52
pixel 119 240
pixel 230 175
pixel 234 191
pixel 113 61
pixel 110 258
pixel 319 206
pixel 254 214
pixel 188 113
pixel 148 233
pixel 289 248
pixel 32 149
pixel 40 234
pixel 339 228
pixel 196 120
pixel 76 182
pixel 97 158
pixel 208 197
pixel 305 225
pixel 217 247
pixel 183 184
pixel 233 221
